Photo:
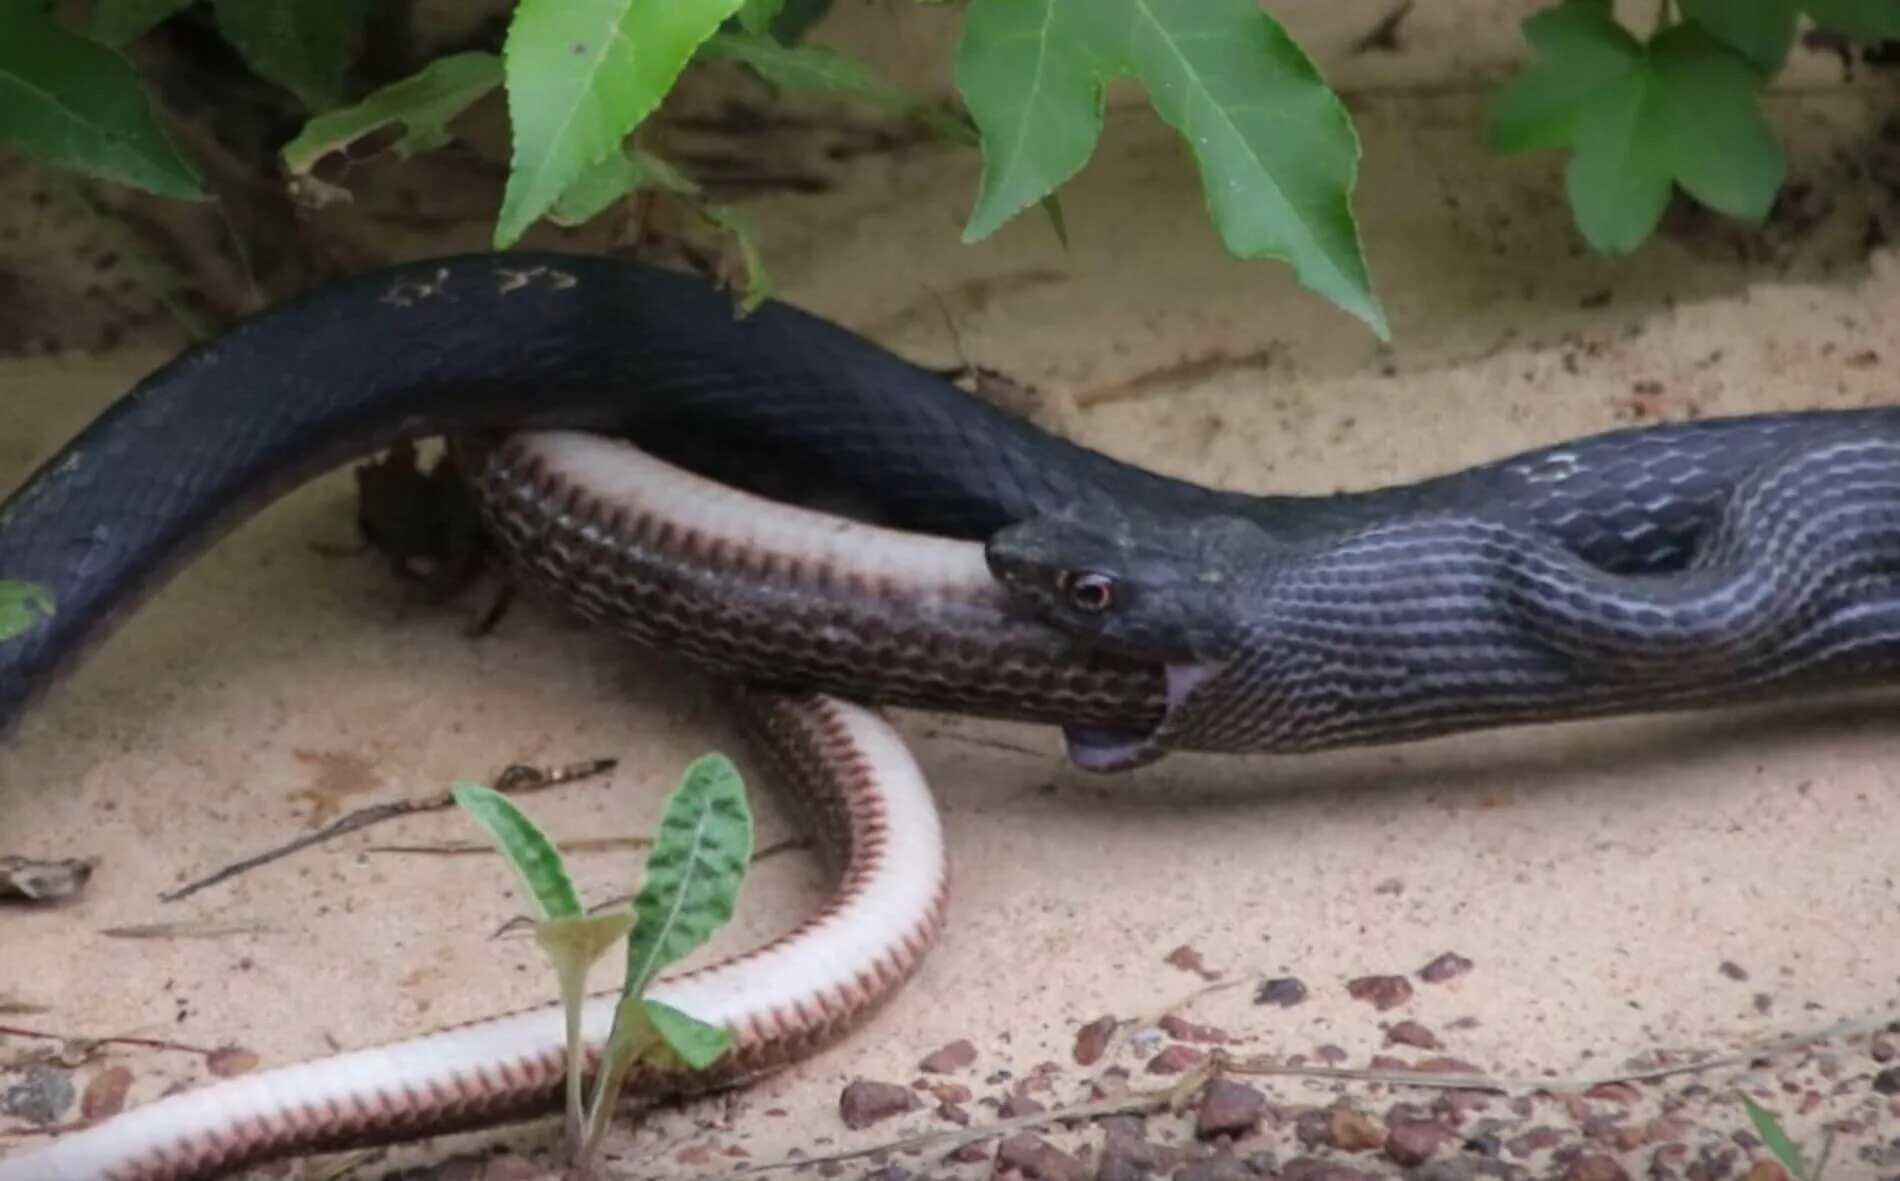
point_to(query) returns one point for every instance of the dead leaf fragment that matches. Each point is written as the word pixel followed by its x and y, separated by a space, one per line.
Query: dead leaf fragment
pixel 34 880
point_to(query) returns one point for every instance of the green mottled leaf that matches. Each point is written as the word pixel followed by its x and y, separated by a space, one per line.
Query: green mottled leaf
pixel 1277 152
pixel 1874 20
pixel 534 858
pixel 698 859
pixel 72 103
pixel 121 22
pixel 1759 30
pixel 305 46
pixel 22 604
pixel 1683 109
pixel 1776 1140
pixel 694 1042
pixel 423 104
pixel 581 75
pixel 813 67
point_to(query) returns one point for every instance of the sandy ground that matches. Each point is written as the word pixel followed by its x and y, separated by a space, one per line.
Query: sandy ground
pixel 1627 892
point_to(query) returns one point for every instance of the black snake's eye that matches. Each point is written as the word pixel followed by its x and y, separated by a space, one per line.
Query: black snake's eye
pixel 1090 591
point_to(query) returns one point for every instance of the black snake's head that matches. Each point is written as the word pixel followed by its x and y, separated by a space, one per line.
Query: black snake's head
pixel 1144 588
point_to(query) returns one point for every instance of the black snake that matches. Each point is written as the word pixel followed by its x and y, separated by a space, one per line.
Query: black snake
pixel 1652 568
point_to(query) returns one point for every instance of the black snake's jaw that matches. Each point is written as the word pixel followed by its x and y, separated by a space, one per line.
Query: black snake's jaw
pixel 1104 750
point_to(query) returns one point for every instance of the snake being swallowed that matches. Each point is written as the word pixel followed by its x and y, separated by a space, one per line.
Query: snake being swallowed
pixel 1005 573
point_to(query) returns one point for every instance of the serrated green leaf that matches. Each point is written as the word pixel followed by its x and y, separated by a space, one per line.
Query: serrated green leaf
pixel 305 46
pixel 1033 85
pixel 535 860
pixel 813 67
pixel 22 604
pixel 423 103
pixel 581 75
pixel 1872 20
pixel 72 103
pixel 121 22
pixel 1760 30
pixel 694 1042
pixel 1776 1139
pixel 1581 53
pixel 694 871
pixel 1277 152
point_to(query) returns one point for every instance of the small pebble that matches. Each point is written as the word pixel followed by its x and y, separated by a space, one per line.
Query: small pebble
pixel 41 1097
pixel 1381 992
pixel 1592 1166
pixel 105 1094
pixel 1412 1142
pixel 1175 1059
pixel 1091 1041
pixel 1887 1082
pixel 1035 1159
pixel 1445 967
pixel 1228 1108
pixel 1411 1033
pixel 1733 970
pixel 864 1103
pixel 954 1057
pixel 1284 991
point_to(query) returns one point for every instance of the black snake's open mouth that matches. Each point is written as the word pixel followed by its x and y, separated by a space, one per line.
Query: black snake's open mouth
pixel 1113 748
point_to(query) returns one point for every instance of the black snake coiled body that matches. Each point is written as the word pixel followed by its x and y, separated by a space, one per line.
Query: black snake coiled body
pixel 1538 587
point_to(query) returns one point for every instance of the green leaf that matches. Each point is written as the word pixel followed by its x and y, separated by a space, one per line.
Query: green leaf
pixel 625 172
pixel 696 1043
pixel 582 939
pixel 535 859
pixel 1035 90
pixel 1277 152
pixel 67 101
pixel 120 22
pixel 423 103
pixel 1873 20
pixel 22 604
pixel 757 16
pixel 573 945
pixel 1776 1139
pixel 1581 53
pixel 582 74
pixel 612 179
pixel 1683 109
pixel 758 284
pixel 1759 30
pixel 305 46
pixel 694 871
pixel 813 67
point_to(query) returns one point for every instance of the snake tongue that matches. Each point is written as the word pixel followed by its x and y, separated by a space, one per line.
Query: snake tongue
pixel 1102 748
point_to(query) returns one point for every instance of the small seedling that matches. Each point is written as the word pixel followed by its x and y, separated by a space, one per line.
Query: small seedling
pixel 1783 1148
pixel 693 875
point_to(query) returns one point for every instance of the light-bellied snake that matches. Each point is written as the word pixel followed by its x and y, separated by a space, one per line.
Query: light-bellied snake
pixel 1006 573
